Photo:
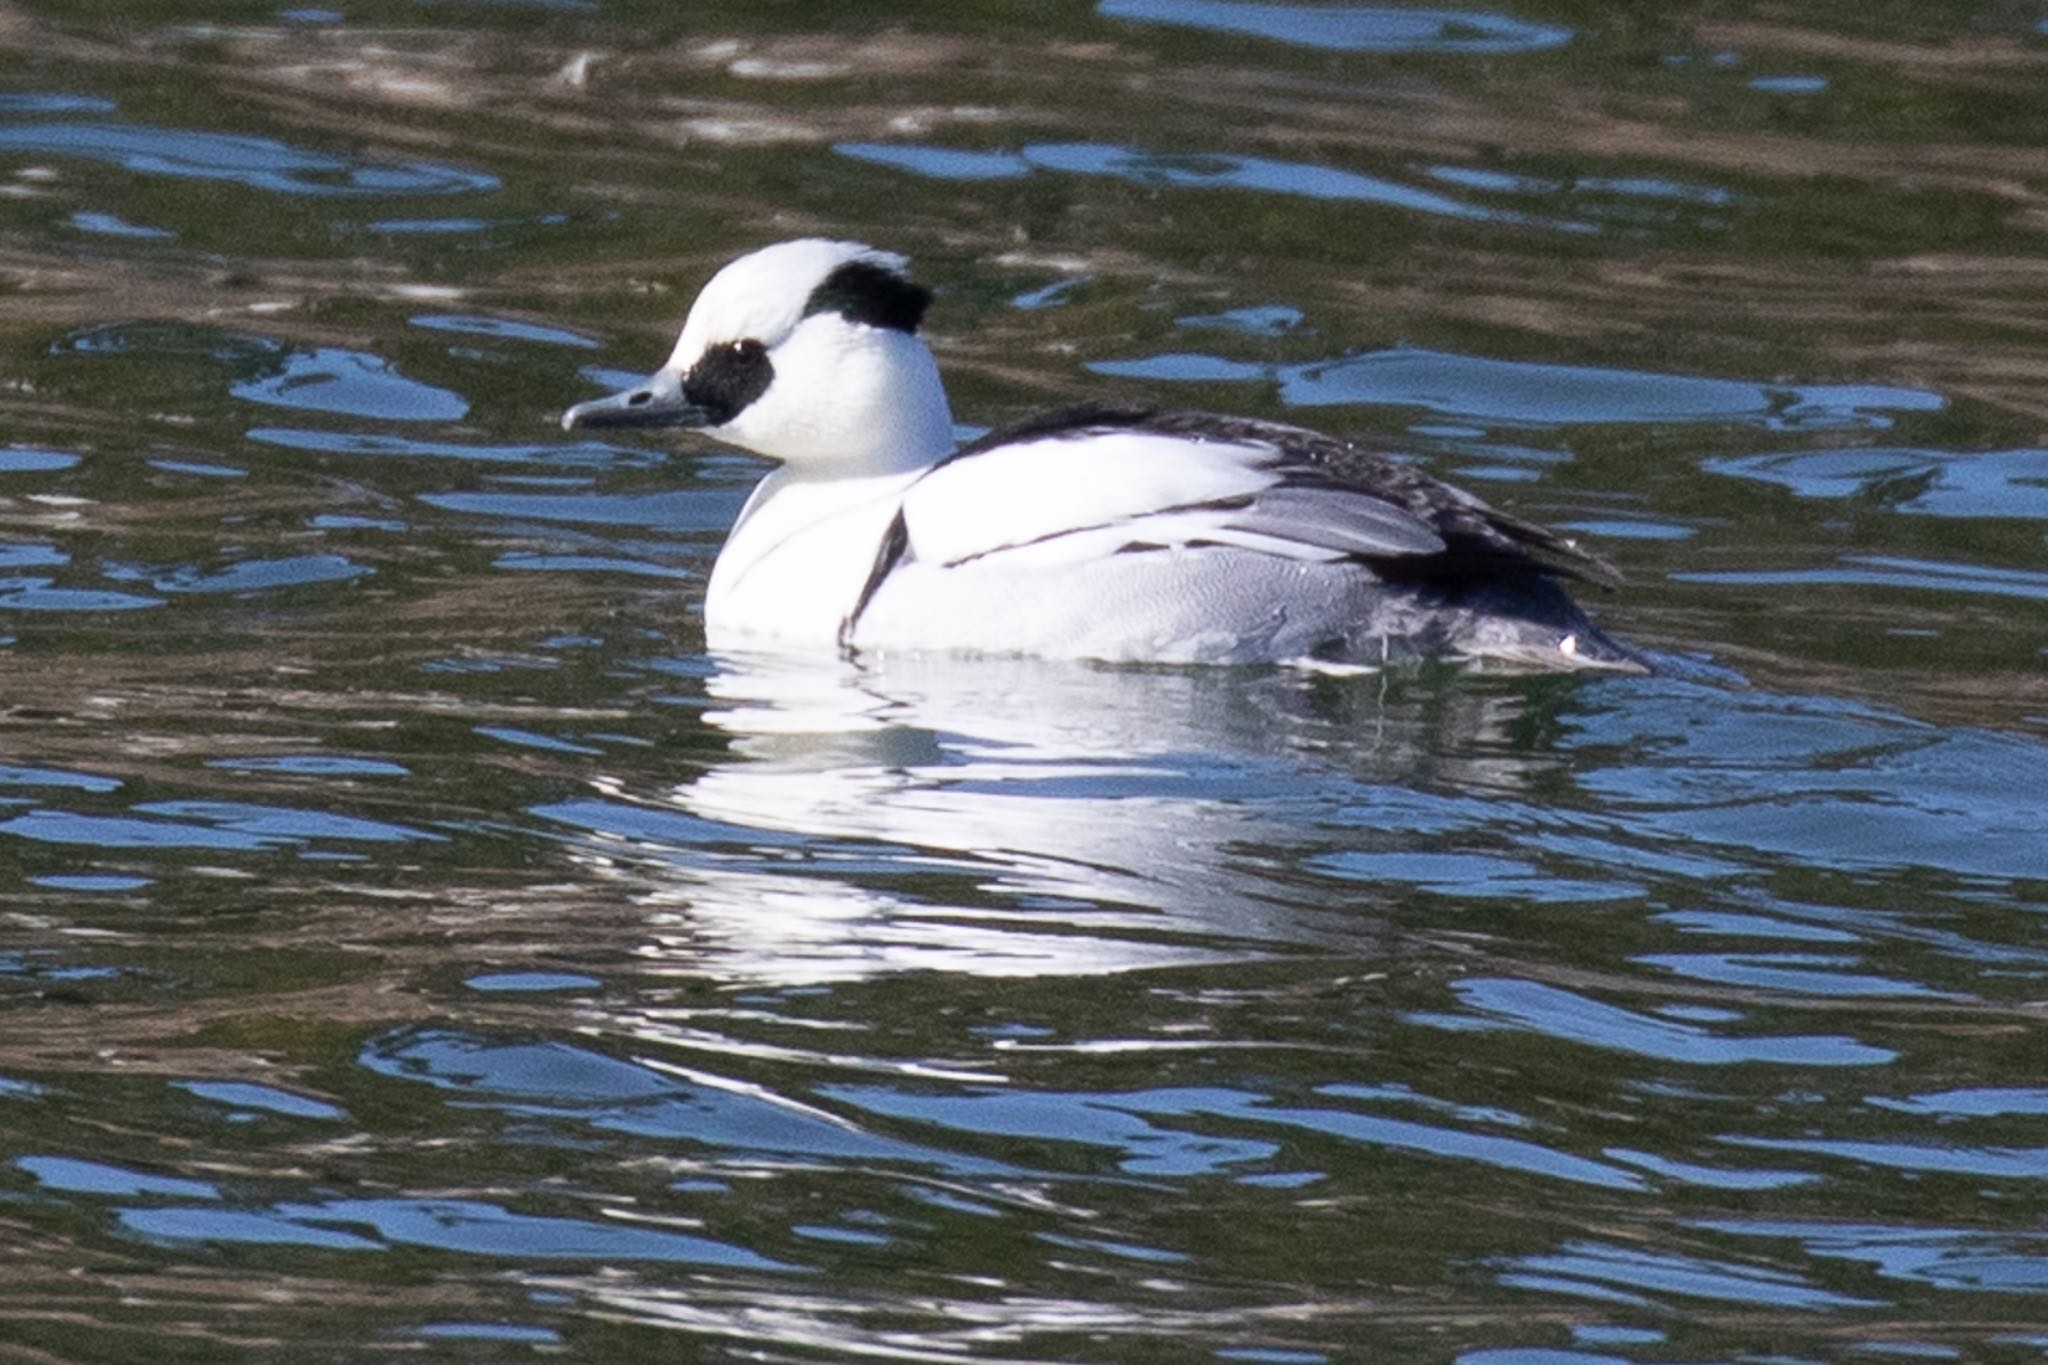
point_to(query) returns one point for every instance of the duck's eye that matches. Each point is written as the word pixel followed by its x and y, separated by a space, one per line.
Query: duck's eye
pixel 727 378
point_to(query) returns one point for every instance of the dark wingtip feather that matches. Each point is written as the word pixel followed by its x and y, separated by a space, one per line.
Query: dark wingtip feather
pixel 1556 551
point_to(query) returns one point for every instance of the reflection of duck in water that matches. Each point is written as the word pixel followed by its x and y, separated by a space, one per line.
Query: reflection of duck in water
pixel 1017 816
pixel 1103 533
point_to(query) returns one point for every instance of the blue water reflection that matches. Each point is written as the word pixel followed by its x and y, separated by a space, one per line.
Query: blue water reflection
pixel 247 1095
pixel 1694 1173
pixel 121 832
pixel 569 454
pixel 98 882
pixel 1578 205
pixel 1267 320
pixel 1206 170
pixel 1978 1102
pixel 26 460
pixel 237 1226
pixel 1953 1258
pixel 170 339
pixel 1352 28
pixel 939 163
pixel 587 1089
pixel 1623 202
pixel 47 967
pixel 56 777
pixel 1213 171
pixel 1625 1274
pixel 1951 1158
pixel 279 823
pixel 111 225
pixel 1993 483
pixel 313 765
pixel 1801 973
pixel 42 594
pixel 683 510
pixel 465 1226
pixel 259 163
pixel 1120 1123
pixel 1523 394
pixel 1574 1017
pixel 349 383
pixel 75 1176
pixel 524 982
pixel 1640 187
pixel 199 469
pixel 1826 782
pixel 431 227
pixel 1886 571
pixel 52 102
pixel 246 576
pixel 220 825
pixel 1789 85
pixel 505 329
pixel 332 380
pixel 487 1331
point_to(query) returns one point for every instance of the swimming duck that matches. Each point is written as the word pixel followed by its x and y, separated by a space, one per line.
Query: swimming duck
pixel 1109 532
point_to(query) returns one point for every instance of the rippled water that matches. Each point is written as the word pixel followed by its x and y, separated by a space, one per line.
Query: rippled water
pixel 416 947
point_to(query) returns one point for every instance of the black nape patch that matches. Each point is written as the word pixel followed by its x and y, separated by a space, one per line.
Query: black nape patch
pixel 861 291
pixel 727 378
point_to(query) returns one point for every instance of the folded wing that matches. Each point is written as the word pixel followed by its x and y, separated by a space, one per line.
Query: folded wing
pixel 1092 482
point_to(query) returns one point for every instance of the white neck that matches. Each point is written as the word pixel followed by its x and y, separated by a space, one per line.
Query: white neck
pixel 848 402
pixel 855 414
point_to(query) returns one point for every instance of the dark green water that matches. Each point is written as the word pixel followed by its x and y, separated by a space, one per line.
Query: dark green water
pixel 414 947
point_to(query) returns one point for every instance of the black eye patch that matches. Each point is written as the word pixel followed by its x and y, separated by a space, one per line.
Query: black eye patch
pixel 861 291
pixel 727 378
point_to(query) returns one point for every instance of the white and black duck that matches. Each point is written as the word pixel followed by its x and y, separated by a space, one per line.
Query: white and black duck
pixel 1109 532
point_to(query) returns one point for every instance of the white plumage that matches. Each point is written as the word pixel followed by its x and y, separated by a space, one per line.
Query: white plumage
pixel 1120 534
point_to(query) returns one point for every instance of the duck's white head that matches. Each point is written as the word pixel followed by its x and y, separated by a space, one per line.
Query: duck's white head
pixel 806 352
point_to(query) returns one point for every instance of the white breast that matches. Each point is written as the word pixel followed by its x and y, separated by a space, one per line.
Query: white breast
pixel 798 559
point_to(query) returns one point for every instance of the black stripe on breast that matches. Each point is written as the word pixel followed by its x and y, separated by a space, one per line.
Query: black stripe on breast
pixel 895 545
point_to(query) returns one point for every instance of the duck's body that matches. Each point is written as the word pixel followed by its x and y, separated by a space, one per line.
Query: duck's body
pixel 1105 533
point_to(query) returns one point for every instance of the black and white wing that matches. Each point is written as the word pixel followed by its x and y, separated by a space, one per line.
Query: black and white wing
pixel 1089 482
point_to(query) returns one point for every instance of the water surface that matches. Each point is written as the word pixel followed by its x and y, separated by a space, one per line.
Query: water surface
pixel 416 945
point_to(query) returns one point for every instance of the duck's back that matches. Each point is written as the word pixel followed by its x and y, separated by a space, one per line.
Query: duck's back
pixel 1146 535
